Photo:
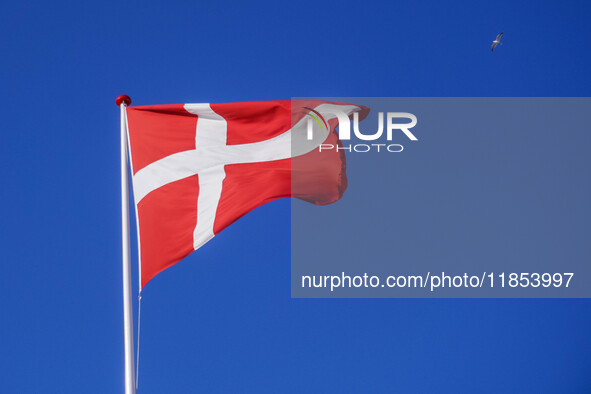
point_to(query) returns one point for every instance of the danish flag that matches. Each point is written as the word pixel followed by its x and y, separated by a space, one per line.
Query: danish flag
pixel 197 168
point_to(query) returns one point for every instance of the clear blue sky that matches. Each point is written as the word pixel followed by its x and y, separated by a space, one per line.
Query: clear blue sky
pixel 223 320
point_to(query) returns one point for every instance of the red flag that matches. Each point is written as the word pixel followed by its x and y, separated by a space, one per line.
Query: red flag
pixel 197 168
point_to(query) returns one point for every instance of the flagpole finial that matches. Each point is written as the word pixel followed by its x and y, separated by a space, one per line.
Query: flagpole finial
pixel 123 99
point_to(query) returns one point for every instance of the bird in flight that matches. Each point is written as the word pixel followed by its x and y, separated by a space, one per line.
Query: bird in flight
pixel 496 42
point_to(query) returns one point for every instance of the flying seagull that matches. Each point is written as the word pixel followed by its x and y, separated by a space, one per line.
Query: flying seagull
pixel 496 42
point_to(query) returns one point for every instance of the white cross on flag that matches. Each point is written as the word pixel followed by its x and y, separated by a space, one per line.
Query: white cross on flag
pixel 197 168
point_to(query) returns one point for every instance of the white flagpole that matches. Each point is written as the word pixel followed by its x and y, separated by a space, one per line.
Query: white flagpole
pixel 123 101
